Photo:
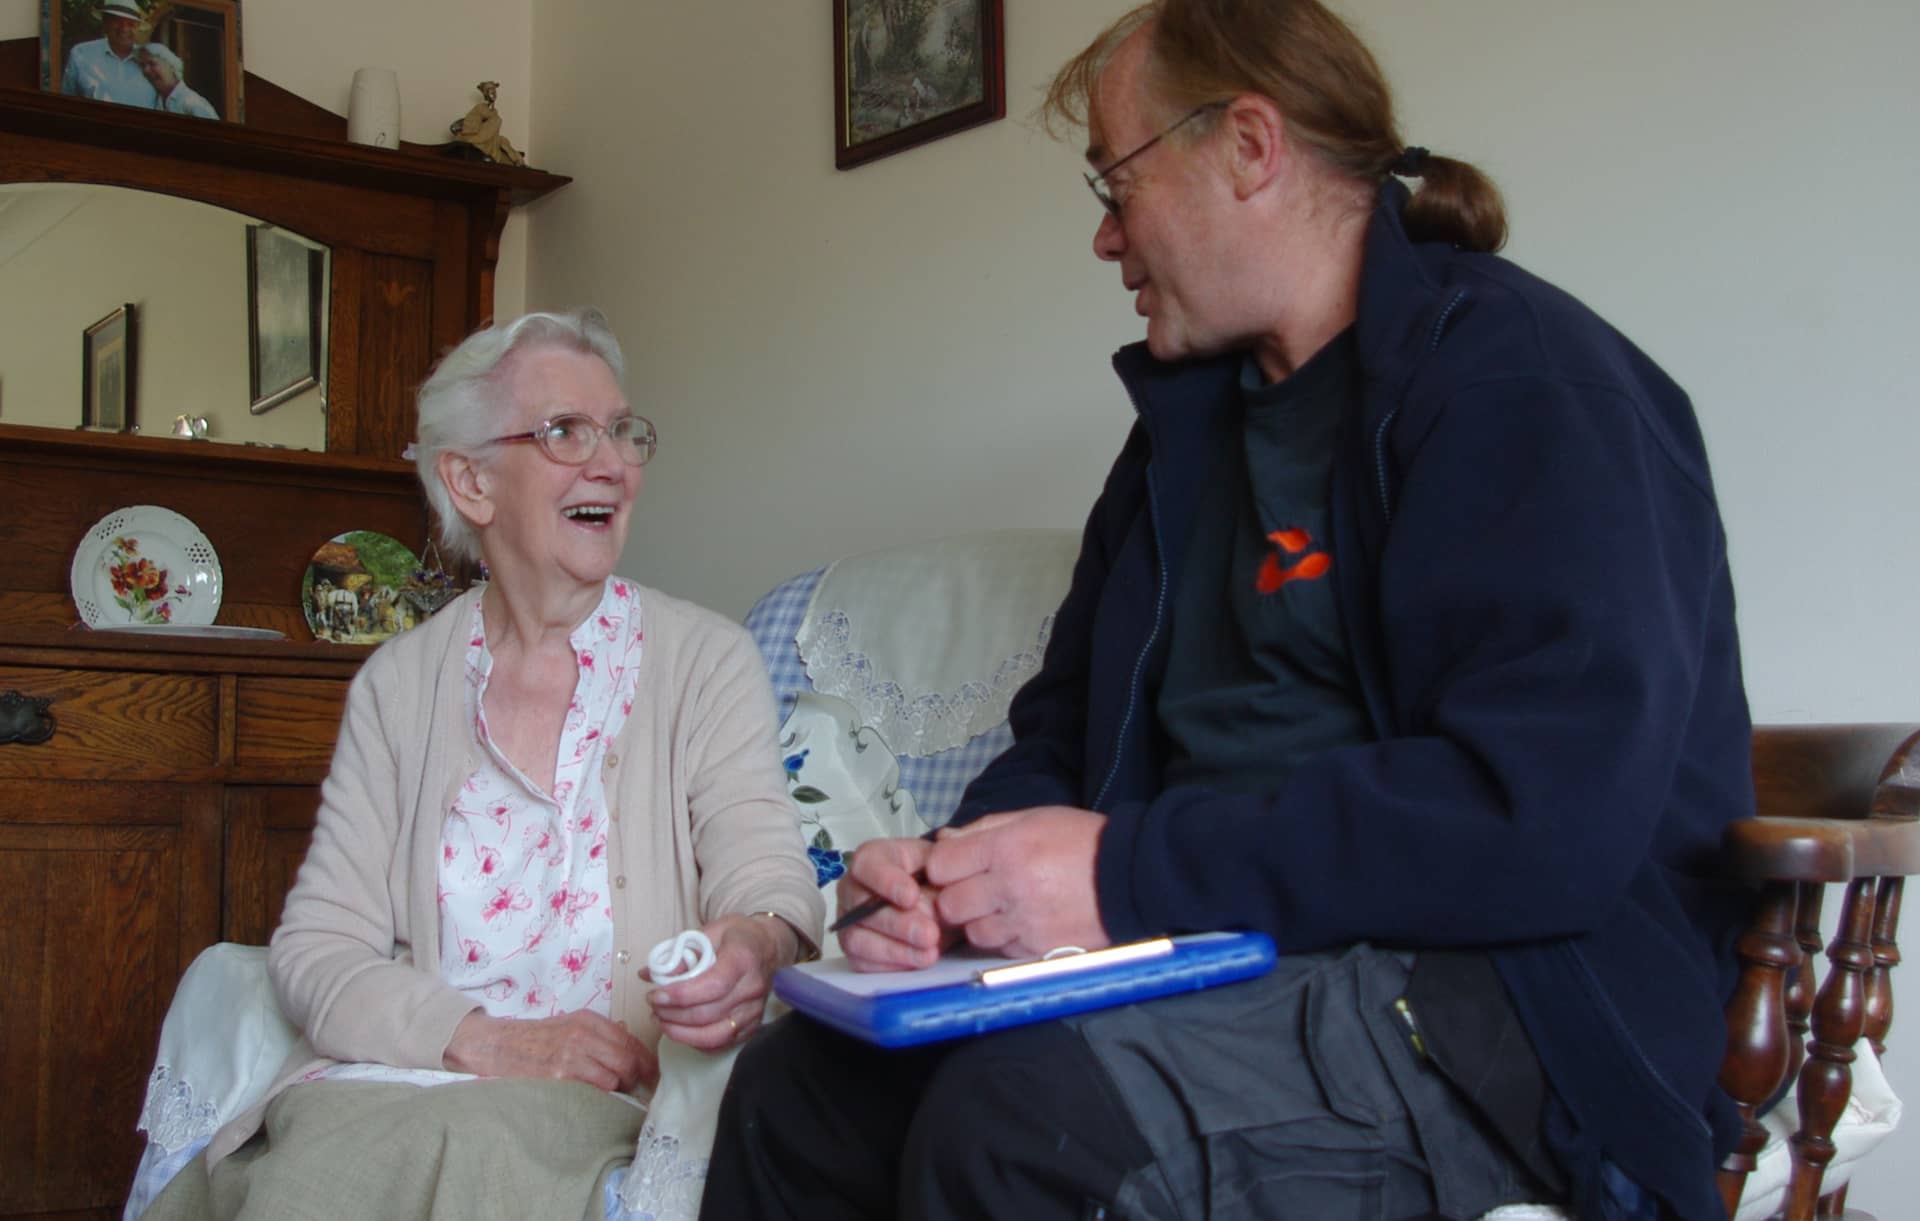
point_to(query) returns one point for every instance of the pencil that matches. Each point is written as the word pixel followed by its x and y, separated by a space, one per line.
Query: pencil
pixel 859 913
pixel 863 910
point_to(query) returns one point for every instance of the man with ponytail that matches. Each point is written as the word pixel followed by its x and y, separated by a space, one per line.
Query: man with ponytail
pixel 1403 632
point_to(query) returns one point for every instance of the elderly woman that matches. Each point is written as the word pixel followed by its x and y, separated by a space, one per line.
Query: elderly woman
pixel 166 73
pixel 556 772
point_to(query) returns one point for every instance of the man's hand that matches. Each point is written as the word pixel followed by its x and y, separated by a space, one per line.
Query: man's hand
pixel 905 934
pixel 579 1046
pixel 1021 882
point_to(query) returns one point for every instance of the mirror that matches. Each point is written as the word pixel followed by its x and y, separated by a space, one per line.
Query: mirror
pixel 213 318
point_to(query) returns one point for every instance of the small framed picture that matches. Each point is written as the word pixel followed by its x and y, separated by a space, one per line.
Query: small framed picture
pixel 909 71
pixel 107 376
pixel 285 277
pixel 175 56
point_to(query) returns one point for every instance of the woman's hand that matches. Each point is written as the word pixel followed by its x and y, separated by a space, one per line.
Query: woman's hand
pixel 907 933
pixel 578 1046
pixel 723 1004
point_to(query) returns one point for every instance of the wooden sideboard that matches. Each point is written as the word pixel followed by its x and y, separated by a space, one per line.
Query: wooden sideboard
pixel 166 803
pixel 167 809
pixel 171 801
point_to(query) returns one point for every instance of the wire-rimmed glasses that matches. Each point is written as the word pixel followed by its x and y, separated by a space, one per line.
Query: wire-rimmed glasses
pixel 1097 183
pixel 572 439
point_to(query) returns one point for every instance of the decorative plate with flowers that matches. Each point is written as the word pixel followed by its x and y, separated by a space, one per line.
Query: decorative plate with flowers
pixel 146 566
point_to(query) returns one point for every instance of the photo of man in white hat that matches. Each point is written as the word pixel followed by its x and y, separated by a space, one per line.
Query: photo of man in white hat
pixel 108 68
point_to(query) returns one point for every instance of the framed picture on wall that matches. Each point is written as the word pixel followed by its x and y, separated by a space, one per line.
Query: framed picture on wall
pixel 284 291
pixel 175 56
pixel 909 71
pixel 108 369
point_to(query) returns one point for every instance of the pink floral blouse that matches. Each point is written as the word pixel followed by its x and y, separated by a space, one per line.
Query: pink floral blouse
pixel 526 913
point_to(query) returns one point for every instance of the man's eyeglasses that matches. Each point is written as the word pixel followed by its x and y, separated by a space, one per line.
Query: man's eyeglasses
pixel 1097 183
pixel 571 439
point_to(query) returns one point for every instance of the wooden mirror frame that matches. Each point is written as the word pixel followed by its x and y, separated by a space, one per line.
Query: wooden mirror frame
pixel 415 235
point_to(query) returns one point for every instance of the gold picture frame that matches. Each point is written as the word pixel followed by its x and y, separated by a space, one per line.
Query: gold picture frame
pixel 84 54
pixel 109 370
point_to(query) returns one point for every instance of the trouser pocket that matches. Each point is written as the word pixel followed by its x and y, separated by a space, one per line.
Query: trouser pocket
pixel 1265 1099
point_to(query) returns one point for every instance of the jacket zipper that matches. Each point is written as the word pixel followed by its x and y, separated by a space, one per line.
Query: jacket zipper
pixel 1159 614
pixel 1380 433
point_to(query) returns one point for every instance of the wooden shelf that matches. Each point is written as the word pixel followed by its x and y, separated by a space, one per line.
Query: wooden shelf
pixel 202 458
pixel 283 134
pixel 81 648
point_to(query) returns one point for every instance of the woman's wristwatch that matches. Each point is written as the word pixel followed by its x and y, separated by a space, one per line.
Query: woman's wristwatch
pixel 806 951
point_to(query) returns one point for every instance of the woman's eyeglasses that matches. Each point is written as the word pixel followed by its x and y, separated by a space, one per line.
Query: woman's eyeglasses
pixel 571 439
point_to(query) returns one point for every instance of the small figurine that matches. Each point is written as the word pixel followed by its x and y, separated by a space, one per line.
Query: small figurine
pixel 477 133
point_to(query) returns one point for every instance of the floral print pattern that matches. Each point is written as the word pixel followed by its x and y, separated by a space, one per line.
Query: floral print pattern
pixel 526 911
pixel 139 585
pixel 828 862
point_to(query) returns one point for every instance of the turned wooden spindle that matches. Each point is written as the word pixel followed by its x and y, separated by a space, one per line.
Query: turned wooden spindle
pixel 1757 1041
pixel 1804 985
pixel 1886 956
pixel 1826 1079
pixel 1879 997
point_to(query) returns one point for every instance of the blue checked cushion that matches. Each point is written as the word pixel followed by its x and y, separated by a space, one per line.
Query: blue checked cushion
pixel 935 781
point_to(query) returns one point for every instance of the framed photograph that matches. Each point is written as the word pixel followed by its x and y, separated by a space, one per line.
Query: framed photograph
pixel 175 56
pixel 107 374
pixel 284 290
pixel 909 71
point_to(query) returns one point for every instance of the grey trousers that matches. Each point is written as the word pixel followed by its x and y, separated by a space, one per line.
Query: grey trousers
pixel 1297 1095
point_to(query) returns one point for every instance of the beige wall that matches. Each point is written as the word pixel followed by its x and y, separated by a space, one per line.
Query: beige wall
pixel 836 360
pixel 918 345
pixel 844 359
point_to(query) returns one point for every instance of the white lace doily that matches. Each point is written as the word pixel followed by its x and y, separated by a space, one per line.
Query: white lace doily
pixel 929 642
pixel 173 1118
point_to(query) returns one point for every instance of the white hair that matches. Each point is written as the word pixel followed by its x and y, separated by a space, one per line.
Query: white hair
pixel 463 402
pixel 164 53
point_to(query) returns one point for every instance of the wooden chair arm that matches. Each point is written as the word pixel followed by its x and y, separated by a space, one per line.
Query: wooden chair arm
pixel 1761 850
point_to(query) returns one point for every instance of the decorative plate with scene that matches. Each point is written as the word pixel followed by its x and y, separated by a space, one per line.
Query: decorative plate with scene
pixel 356 588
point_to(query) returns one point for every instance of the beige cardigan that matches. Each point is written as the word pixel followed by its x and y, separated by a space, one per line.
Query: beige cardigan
pixel 700 825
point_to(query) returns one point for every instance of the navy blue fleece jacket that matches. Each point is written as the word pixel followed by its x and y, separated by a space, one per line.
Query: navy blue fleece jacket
pixel 1533 578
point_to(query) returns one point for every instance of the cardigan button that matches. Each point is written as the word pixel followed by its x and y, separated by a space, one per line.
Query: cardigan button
pixel 613 759
pixel 623 957
pixel 620 883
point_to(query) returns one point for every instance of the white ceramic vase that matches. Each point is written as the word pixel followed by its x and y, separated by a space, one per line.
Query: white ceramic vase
pixel 373 111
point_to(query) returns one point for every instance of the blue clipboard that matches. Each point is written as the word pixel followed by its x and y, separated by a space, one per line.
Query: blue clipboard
pixel 966 994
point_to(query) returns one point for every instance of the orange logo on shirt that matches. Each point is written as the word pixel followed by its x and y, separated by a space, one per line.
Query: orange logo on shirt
pixel 1307 567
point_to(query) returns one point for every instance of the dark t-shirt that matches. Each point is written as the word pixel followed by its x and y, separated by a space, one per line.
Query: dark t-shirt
pixel 1258 673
